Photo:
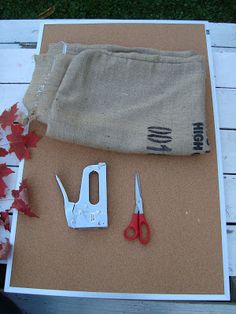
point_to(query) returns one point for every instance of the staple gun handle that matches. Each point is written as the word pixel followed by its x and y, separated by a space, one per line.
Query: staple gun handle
pixel 63 191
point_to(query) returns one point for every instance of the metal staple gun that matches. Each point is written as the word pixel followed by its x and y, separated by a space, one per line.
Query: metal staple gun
pixel 84 214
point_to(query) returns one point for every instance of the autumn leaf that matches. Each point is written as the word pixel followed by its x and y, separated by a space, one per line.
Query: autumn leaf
pixel 4 220
pixel 8 117
pixel 31 139
pixel 5 248
pixel 3 152
pixel 4 172
pixel 23 207
pixel 19 143
pixel 21 200
pixel 20 192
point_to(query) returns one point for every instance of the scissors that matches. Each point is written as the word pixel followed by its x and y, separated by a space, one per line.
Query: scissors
pixel 138 226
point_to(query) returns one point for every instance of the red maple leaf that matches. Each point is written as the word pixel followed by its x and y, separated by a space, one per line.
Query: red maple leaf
pixel 19 143
pixel 8 117
pixel 31 139
pixel 23 207
pixel 4 172
pixel 3 152
pixel 20 193
pixel 4 219
pixel 4 249
pixel 21 200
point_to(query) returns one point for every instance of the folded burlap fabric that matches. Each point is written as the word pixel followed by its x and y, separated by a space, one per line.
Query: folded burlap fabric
pixel 75 48
pixel 51 67
pixel 48 74
pixel 134 100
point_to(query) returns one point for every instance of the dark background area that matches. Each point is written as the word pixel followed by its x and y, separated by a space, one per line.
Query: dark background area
pixel 214 11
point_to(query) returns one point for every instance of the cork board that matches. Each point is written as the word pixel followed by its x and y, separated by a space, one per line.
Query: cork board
pixel 181 199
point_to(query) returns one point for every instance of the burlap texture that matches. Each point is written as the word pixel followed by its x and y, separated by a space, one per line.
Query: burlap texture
pixel 128 100
pixel 51 67
pixel 75 48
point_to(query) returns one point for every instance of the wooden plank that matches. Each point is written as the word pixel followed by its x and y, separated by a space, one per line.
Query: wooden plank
pixel 19 30
pixel 4 234
pixel 230 198
pixel 16 65
pixel 27 45
pixel 10 159
pixel 225 69
pixel 10 182
pixel 227 107
pixel 10 46
pixel 231 234
pixel 33 304
pixel 223 34
pixel 5 204
pixel 228 144
pixel 10 94
pixel 223 49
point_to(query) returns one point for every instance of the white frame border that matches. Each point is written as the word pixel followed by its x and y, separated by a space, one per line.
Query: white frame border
pixel 138 296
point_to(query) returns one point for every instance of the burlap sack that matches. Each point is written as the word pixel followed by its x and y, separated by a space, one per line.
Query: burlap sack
pixel 132 102
pixel 33 98
pixel 51 67
pixel 75 48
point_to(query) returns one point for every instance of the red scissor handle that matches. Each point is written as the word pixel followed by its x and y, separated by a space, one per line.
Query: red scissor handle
pixel 132 231
pixel 144 230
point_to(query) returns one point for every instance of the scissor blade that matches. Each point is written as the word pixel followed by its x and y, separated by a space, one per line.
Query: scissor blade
pixel 138 195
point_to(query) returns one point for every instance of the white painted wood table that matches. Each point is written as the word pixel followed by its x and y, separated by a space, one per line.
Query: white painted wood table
pixel 17 46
